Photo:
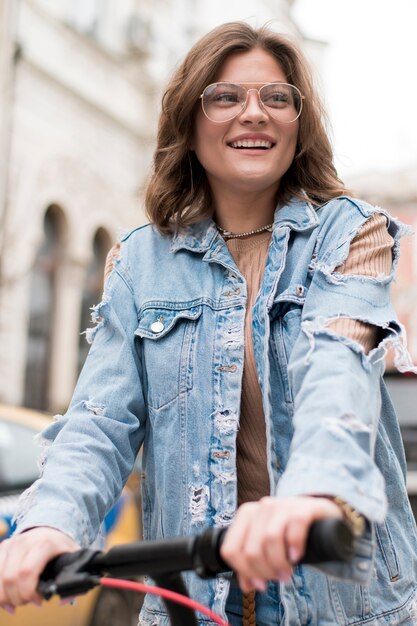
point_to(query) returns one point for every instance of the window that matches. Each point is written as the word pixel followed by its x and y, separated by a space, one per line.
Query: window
pixel 87 15
pixel 93 287
pixel 41 310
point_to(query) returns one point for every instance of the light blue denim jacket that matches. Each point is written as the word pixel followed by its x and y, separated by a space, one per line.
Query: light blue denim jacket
pixel 165 369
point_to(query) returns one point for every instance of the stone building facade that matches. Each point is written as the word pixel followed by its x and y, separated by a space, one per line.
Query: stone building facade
pixel 79 130
pixel 80 83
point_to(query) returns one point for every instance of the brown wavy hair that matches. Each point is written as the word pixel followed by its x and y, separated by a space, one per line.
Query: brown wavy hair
pixel 177 192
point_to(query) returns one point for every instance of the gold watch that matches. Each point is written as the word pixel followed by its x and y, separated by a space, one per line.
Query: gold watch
pixel 354 519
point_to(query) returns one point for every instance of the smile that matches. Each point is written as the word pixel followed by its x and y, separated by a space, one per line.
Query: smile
pixel 248 143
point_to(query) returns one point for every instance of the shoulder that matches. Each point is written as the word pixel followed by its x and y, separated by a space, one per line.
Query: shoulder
pixel 139 233
pixel 346 222
pixel 346 215
pixel 144 241
pixel 136 248
pixel 347 207
pixel 343 217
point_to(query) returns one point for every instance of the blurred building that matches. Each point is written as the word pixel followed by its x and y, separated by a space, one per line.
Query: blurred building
pixel 77 124
pixel 80 83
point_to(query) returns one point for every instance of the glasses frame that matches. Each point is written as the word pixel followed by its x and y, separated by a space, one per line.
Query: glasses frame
pixel 244 105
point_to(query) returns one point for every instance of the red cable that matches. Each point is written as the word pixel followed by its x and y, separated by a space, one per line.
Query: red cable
pixel 163 593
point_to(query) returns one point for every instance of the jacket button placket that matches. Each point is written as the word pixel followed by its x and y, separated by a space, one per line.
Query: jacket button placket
pixel 228 368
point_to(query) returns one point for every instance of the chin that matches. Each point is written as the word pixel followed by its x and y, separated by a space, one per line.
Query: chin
pixel 254 180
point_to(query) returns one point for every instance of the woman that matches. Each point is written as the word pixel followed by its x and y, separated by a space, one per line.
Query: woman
pixel 241 337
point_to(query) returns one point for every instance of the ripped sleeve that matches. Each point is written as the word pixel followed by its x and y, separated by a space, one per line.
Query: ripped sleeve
pixel 336 383
pixel 335 372
pixel 90 451
pixel 112 257
pixel 370 254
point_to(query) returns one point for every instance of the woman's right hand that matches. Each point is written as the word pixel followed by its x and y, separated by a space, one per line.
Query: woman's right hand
pixel 23 558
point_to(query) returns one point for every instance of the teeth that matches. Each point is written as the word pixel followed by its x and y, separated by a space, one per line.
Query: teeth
pixel 249 143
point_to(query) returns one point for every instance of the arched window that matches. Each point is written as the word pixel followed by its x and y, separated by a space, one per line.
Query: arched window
pixel 93 288
pixel 41 310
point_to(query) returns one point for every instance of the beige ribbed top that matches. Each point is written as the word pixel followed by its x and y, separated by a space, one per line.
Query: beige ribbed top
pixel 369 255
pixel 253 481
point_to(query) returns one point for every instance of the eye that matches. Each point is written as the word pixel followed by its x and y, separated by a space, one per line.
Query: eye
pixel 277 98
pixel 226 96
pixel 223 94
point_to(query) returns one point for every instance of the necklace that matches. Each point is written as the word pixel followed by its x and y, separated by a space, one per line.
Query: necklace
pixel 227 234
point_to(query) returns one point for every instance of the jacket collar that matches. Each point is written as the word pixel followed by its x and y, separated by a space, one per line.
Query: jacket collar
pixel 197 237
pixel 298 214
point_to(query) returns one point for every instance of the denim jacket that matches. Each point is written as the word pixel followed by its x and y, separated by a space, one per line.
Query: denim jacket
pixel 165 369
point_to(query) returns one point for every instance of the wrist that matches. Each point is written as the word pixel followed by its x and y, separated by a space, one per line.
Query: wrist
pixel 351 516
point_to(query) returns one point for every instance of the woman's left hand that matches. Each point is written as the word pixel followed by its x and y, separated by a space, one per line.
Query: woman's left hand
pixel 267 538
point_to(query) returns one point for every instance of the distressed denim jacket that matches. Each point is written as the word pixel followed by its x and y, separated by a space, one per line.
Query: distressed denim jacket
pixel 165 370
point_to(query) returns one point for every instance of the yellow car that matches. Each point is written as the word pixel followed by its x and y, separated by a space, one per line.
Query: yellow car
pixel 18 469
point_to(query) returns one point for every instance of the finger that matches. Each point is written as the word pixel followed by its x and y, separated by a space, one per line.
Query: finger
pixel 264 550
pixel 264 553
pixel 21 576
pixel 241 551
pixel 297 531
pixel 24 558
pixel 252 584
pixel 258 583
pixel 276 548
pixel 296 539
pixel 12 572
pixel 249 558
pixel 3 568
pixel 235 537
pixel 32 566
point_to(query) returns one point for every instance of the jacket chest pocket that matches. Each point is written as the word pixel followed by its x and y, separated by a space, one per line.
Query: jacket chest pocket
pixel 167 340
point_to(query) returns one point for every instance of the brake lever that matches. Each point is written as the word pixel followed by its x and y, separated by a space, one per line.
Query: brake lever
pixel 69 575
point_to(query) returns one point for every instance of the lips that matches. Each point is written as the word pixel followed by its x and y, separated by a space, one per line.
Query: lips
pixel 254 142
pixel 266 145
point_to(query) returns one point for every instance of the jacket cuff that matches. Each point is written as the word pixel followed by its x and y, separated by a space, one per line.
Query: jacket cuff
pixel 60 516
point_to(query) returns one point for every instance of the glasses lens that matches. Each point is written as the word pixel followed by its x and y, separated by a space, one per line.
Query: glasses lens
pixel 223 101
pixel 282 101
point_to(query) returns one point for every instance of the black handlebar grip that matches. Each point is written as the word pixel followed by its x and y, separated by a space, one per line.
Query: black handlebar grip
pixel 56 565
pixel 76 572
pixel 329 540
pixel 68 574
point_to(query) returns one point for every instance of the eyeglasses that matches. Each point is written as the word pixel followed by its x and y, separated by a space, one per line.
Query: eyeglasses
pixel 222 102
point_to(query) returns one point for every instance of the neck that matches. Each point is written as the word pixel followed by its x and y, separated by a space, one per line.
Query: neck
pixel 249 233
pixel 244 212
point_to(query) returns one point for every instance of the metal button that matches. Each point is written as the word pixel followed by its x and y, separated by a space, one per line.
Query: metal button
pixel 363 565
pixel 227 368
pixel 157 327
pixel 221 455
pixel 299 290
pixel 236 292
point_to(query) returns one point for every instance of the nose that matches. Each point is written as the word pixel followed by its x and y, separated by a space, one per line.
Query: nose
pixel 253 111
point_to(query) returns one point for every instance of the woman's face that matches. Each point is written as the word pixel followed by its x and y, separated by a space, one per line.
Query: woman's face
pixel 230 168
